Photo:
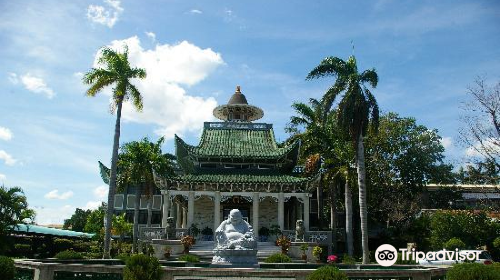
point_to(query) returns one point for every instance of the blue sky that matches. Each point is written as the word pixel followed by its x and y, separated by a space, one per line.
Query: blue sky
pixel 195 52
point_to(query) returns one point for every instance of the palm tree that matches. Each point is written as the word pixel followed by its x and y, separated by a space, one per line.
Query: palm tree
pixel 117 72
pixel 137 161
pixel 356 110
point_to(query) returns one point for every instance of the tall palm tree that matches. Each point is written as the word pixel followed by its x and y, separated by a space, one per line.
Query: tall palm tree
pixel 137 161
pixel 117 72
pixel 356 110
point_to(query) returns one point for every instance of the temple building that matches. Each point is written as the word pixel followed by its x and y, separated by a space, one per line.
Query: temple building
pixel 237 164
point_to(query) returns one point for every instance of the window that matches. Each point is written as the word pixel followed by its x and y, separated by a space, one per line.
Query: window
pixel 144 202
pixel 156 202
pixel 130 201
pixel 119 198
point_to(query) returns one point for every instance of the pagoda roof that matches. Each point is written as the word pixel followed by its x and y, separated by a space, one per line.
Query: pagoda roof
pixel 238 140
pixel 240 178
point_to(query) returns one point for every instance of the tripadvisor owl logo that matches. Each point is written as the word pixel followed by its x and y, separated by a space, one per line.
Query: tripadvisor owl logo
pixel 386 255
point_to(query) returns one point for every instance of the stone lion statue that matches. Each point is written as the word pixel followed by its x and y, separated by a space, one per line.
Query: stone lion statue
pixel 300 230
pixel 170 228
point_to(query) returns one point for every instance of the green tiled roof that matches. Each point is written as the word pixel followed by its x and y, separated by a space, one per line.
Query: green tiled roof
pixel 239 178
pixel 22 228
pixel 237 143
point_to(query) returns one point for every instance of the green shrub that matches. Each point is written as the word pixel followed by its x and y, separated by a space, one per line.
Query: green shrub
pixel 61 244
pixel 92 255
pixel 278 258
pixel 454 243
pixel 142 267
pixel 473 271
pixel 400 260
pixel 346 259
pixel 189 258
pixel 22 250
pixel 7 268
pixel 123 257
pixel 69 255
pixel 327 272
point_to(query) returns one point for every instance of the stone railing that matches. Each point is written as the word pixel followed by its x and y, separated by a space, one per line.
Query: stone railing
pixel 56 271
pixel 149 233
pixel 319 237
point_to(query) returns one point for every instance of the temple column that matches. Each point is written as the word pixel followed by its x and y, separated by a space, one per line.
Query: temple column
pixel 306 212
pixel 190 210
pixel 281 210
pixel 216 210
pixel 165 208
pixel 178 216
pixel 255 216
pixel 184 217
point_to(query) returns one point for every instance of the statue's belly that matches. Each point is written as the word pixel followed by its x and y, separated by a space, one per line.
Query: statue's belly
pixel 234 235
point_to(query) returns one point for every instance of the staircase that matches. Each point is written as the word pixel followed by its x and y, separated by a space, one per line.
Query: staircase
pixel 203 249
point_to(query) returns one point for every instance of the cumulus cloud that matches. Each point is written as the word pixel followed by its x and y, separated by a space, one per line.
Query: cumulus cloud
pixel 489 146
pixel 32 83
pixel 54 194
pixel 53 215
pixel 105 15
pixel 5 133
pixel 92 205
pixel 2 177
pixel 7 158
pixel 170 69
pixel 101 192
pixel 151 35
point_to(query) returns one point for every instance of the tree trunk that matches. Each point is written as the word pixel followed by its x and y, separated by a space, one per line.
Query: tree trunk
pixel 348 218
pixel 333 215
pixel 363 212
pixel 136 219
pixel 150 211
pixel 112 183
pixel 319 199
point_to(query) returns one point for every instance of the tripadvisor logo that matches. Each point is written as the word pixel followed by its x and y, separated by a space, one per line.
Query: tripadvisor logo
pixel 387 255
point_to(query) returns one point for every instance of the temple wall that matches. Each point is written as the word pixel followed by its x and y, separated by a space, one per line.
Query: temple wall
pixel 204 213
pixel 268 213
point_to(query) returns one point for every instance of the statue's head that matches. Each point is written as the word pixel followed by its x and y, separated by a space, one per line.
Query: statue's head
pixel 170 220
pixel 235 216
pixel 300 223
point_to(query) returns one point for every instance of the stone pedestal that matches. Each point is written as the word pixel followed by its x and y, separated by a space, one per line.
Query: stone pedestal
pixel 234 258
pixel 295 251
pixel 159 246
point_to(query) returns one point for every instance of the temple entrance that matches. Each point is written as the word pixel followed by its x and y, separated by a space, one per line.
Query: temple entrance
pixel 237 202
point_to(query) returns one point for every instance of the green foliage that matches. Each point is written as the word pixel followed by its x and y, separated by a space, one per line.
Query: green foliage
pixel 473 271
pixel 327 272
pixel 95 221
pixel 346 259
pixel 401 261
pixel 496 243
pixel 474 228
pixel 68 255
pixel 13 210
pixel 142 267
pixel 304 247
pixel 123 257
pixel 454 243
pixel 278 258
pixel 7 268
pixel 207 231
pixel 317 250
pixel 401 159
pixel 193 230
pixel 275 230
pixel 189 258
pixel 77 221
pixel 22 250
pixel 62 244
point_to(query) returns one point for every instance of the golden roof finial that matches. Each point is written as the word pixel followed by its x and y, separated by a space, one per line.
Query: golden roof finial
pixel 238 89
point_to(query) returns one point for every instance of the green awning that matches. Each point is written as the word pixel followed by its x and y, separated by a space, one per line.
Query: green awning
pixel 34 229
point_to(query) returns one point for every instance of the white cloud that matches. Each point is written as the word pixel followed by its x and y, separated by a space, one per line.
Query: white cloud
pixel 490 146
pixel 151 35
pixel 2 177
pixel 92 205
pixel 33 84
pixel 195 11
pixel 447 142
pixel 5 133
pixel 8 159
pixel 54 194
pixel 105 15
pixel 101 192
pixel 53 215
pixel 170 68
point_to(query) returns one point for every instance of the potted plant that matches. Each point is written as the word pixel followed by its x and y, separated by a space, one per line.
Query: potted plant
pixel 167 251
pixel 187 241
pixel 304 248
pixel 317 253
pixel 263 234
pixel 207 234
pixel 193 230
pixel 285 244
pixel 331 259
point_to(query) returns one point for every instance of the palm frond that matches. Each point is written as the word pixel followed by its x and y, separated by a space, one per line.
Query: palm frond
pixel 369 76
pixel 330 66
pixel 136 97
